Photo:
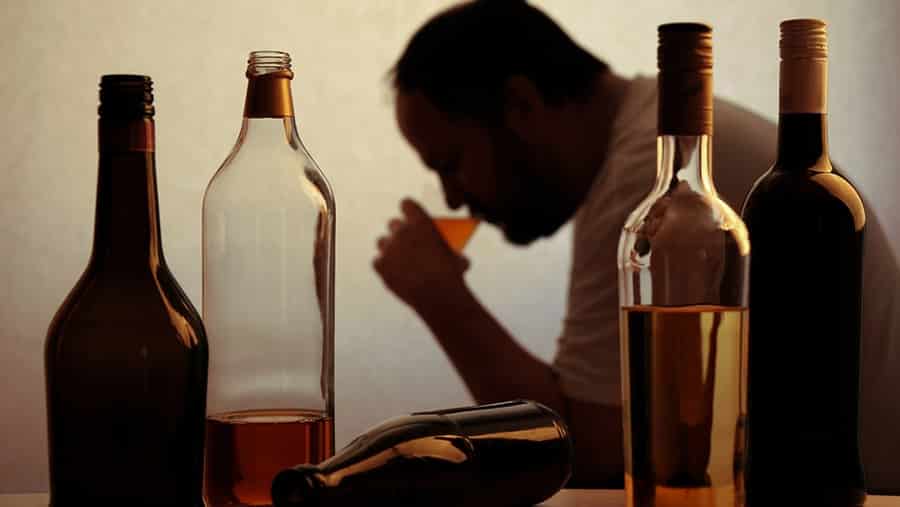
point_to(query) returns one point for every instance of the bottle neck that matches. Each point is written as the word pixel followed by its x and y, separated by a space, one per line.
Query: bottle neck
pixel 269 95
pixel 802 123
pixel 803 142
pixel 684 160
pixel 268 133
pixel 269 110
pixel 685 117
pixel 126 226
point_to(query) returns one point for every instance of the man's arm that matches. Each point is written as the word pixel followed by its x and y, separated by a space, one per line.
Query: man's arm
pixel 492 364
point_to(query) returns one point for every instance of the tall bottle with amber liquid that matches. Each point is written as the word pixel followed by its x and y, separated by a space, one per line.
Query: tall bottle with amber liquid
pixel 806 222
pixel 126 354
pixel 683 262
pixel 268 298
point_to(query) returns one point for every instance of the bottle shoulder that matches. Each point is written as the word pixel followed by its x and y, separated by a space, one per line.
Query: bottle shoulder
pixel 116 305
pixel 683 246
pixel 282 178
pixel 810 192
pixel 268 165
pixel 681 213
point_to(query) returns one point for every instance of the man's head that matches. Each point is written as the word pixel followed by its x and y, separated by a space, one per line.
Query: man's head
pixel 481 89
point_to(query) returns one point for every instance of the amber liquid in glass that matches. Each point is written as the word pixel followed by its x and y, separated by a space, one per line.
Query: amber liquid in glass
pixel 456 231
pixel 246 449
pixel 684 413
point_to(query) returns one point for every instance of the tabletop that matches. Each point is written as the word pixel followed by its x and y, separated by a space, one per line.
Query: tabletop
pixel 565 498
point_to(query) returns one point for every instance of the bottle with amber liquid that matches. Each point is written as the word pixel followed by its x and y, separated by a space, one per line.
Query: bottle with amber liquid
pixel 268 298
pixel 126 354
pixel 806 222
pixel 505 454
pixel 683 262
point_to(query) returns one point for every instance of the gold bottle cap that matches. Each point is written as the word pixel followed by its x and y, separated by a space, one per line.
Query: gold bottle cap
pixel 685 46
pixel 685 58
pixel 804 67
pixel 269 78
pixel 804 38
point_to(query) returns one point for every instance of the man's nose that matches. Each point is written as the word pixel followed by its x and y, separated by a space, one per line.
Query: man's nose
pixel 454 203
pixel 452 195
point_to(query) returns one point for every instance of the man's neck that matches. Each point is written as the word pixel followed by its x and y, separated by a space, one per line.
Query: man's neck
pixel 591 132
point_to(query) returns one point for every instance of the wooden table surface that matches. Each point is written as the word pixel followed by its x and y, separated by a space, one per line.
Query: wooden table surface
pixel 565 498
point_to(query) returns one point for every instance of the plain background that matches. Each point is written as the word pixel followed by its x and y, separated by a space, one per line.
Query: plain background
pixel 386 362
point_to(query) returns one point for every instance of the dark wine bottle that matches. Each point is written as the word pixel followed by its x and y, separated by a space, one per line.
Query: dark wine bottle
pixel 806 225
pixel 126 354
pixel 502 454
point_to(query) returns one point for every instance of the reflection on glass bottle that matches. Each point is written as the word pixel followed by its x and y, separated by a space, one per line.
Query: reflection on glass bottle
pixel 683 261
pixel 268 298
pixel 126 355
pixel 503 454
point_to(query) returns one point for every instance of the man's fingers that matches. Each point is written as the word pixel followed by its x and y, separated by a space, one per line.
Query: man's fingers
pixel 413 211
pixel 395 225
pixel 382 243
pixel 378 266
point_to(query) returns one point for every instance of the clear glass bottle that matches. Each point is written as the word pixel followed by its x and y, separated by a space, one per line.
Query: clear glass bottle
pixel 268 298
pixel 683 268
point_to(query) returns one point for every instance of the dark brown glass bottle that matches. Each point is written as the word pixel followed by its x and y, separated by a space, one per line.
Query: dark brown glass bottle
pixel 126 354
pixel 503 454
pixel 806 225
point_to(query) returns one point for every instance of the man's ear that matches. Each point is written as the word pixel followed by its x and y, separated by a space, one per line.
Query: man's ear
pixel 523 106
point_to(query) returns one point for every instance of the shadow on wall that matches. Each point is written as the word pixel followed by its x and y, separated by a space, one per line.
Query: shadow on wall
pixel 880 375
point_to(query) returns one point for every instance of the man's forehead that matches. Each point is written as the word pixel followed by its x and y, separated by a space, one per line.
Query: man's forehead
pixel 418 116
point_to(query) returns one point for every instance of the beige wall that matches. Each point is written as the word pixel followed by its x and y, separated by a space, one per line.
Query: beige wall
pixel 54 52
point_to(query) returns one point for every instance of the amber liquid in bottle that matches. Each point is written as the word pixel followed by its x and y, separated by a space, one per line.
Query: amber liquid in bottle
pixel 248 448
pixel 126 354
pixel 684 366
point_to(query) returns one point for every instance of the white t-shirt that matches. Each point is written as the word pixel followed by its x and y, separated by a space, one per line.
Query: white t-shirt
pixel 744 144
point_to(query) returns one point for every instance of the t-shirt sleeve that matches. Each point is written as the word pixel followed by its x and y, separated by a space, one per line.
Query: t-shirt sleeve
pixel 587 358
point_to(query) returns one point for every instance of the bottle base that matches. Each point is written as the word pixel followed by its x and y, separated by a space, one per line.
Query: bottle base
pixel 808 496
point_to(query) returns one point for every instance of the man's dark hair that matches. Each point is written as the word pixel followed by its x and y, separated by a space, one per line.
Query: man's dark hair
pixel 461 58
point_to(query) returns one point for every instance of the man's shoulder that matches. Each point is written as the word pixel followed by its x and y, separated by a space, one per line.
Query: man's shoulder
pixel 736 127
pixel 740 128
pixel 744 147
pixel 731 116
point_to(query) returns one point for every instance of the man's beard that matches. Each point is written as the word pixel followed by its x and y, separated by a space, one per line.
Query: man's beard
pixel 533 221
pixel 534 207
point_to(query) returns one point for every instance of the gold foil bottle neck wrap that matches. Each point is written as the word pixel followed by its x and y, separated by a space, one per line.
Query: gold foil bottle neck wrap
pixel 269 78
pixel 122 136
pixel 685 58
pixel 804 67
